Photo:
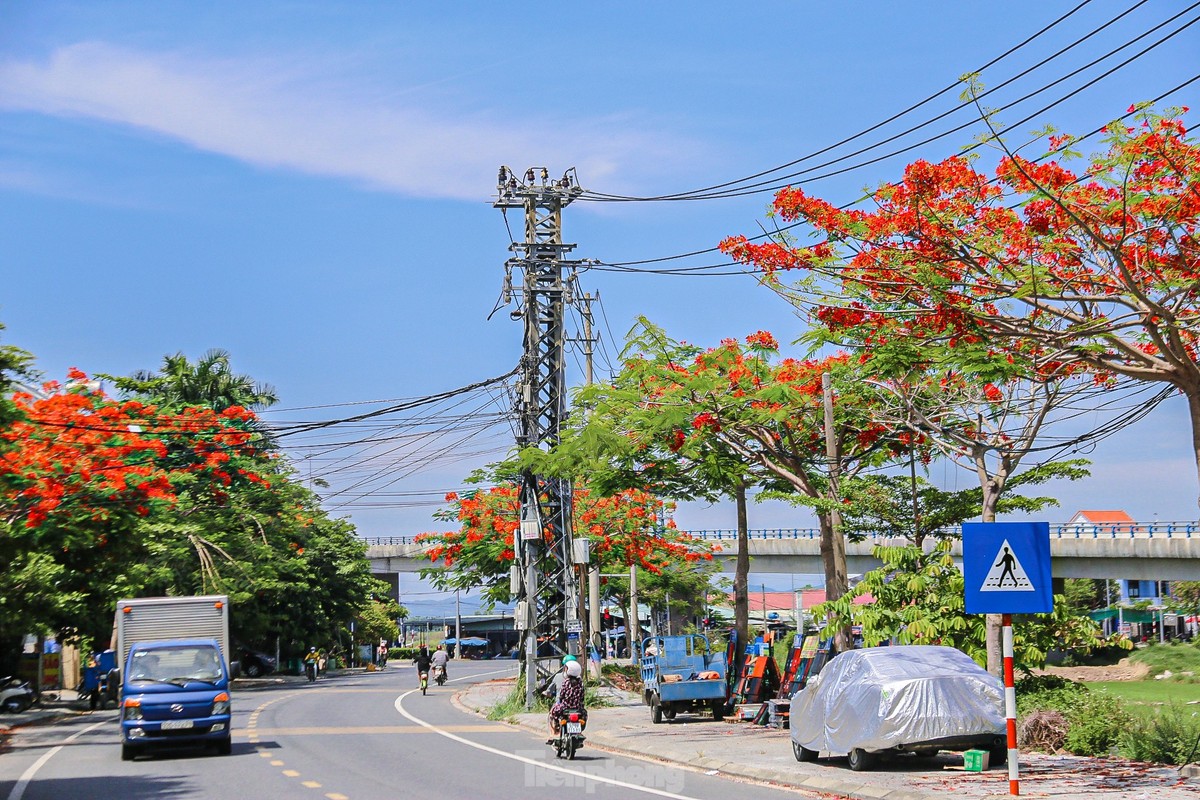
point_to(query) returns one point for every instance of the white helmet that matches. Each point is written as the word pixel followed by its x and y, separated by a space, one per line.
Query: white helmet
pixel 574 670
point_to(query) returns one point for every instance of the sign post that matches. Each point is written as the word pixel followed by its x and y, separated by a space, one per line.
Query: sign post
pixel 1006 571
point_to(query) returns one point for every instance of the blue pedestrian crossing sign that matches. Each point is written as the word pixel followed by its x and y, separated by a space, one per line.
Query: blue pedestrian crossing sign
pixel 1006 568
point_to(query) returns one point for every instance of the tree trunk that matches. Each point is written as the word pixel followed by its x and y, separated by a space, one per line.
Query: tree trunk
pixel 741 575
pixel 833 557
pixel 993 622
pixel 1193 401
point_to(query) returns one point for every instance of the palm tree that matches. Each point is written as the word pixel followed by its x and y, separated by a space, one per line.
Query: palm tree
pixel 210 382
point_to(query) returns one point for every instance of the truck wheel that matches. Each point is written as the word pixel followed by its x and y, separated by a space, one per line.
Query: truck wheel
pixel 669 712
pixel 718 710
pixel 998 755
pixel 225 746
pixel 802 753
pixel 861 760
pixel 128 752
pixel 656 713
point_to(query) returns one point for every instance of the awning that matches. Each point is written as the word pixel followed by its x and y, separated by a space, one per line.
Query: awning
pixel 1124 614
pixel 468 641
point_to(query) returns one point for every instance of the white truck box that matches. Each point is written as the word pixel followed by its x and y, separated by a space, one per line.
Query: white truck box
pixel 156 619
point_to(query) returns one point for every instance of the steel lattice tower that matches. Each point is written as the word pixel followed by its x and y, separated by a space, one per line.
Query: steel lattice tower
pixel 550 596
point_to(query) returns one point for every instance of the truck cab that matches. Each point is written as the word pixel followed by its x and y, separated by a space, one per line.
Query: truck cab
pixel 175 692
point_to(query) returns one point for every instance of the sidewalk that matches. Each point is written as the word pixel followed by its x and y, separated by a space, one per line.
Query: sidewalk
pixel 765 754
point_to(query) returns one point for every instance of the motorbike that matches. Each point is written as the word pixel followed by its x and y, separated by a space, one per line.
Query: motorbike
pixel 439 674
pixel 424 682
pixel 15 694
pixel 570 734
pixel 310 669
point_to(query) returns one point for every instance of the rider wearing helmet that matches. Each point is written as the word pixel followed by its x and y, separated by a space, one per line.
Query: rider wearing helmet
pixel 570 694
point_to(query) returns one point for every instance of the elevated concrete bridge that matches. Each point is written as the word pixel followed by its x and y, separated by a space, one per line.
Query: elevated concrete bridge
pixel 1157 551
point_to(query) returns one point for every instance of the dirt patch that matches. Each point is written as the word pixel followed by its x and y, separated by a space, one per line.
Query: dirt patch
pixel 1123 670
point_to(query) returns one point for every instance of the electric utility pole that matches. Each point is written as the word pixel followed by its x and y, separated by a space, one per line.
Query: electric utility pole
pixel 545 576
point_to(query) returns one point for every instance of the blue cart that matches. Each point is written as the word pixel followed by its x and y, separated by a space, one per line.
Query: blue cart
pixel 682 673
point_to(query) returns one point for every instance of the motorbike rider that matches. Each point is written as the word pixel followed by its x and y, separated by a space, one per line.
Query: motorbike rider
pixel 570 695
pixel 311 659
pixel 439 659
pixel 422 661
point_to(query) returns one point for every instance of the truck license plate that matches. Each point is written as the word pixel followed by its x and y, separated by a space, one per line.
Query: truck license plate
pixel 176 724
pixel 574 727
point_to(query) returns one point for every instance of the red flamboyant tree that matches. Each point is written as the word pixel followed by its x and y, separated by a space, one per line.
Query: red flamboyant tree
pixel 624 529
pixel 77 473
pixel 1097 268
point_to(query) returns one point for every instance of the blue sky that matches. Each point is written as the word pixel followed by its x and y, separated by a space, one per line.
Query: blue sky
pixel 308 185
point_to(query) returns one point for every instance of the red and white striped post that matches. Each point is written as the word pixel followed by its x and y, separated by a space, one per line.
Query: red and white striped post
pixel 1010 706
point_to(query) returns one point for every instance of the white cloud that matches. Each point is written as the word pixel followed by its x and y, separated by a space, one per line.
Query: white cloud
pixel 271 114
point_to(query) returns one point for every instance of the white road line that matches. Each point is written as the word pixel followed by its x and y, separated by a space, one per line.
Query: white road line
pixel 532 761
pixel 26 778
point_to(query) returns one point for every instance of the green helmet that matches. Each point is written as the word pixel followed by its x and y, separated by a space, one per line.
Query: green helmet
pixel 568 658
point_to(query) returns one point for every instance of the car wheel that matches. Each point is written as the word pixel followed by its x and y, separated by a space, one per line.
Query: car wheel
pixel 802 753
pixel 861 760
pixel 253 670
pixel 225 746
pixel 998 755
pixel 128 752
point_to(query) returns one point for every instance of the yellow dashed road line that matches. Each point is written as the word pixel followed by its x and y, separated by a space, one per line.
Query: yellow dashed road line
pixel 253 733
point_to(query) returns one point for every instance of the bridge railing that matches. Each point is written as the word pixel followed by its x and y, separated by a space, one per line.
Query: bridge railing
pixel 1061 530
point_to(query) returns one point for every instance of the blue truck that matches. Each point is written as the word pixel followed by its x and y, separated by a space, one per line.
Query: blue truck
pixel 682 673
pixel 175 674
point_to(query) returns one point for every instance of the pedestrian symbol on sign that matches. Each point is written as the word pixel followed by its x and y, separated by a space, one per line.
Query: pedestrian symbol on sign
pixel 1006 573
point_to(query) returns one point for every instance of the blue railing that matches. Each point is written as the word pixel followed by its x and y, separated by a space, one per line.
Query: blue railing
pixel 1061 530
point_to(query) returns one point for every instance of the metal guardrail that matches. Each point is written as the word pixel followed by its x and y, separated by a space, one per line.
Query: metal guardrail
pixel 1062 530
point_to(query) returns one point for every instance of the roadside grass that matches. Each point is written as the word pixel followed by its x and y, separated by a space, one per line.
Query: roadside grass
pixel 1176 657
pixel 1145 698
pixel 514 703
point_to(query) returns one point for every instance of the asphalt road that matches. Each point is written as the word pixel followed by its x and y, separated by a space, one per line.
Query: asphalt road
pixel 350 737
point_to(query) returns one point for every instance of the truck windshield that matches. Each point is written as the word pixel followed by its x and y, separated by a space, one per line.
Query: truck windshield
pixel 174 664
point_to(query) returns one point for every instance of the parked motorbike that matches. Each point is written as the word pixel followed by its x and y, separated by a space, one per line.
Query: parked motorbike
pixel 439 674
pixel 424 682
pixel 15 694
pixel 570 734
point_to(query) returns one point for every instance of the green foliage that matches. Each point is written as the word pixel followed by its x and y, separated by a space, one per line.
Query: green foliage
pixel 376 620
pixel 1097 722
pixel 1088 594
pixel 1047 693
pixel 1185 595
pixel 1169 737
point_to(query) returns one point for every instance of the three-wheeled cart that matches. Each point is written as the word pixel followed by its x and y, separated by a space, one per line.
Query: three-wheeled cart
pixel 682 673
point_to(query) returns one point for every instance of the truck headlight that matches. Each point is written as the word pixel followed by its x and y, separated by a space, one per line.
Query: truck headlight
pixel 133 709
pixel 220 704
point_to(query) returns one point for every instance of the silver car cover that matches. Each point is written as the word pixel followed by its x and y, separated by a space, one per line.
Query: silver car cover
pixel 882 697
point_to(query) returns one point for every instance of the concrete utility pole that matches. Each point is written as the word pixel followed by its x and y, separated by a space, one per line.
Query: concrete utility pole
pixel 457 625
pixel 548 588
pixel 593 570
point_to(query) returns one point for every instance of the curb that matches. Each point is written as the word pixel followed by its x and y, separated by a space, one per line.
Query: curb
pixel 822 784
